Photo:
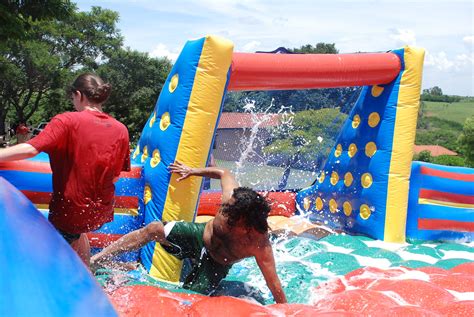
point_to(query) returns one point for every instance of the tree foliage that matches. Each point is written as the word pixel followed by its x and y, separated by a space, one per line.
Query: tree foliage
pixel 423 156
pixel 436 94
pixel 55 46
pixel 448 160
pixel 319 48
pixel 466 141
pixel 17 16
pixel 37 67
pixel 437 131
pixel 136 82
pixel 452 135
pixel 309 138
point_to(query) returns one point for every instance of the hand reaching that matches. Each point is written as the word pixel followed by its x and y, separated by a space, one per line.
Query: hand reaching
pixel 180 168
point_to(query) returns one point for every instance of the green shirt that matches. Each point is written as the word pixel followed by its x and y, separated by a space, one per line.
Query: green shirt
pixel 187 242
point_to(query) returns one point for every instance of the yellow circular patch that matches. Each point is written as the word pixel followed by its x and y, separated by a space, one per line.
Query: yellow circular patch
pixel 153 119
pixel 306 203
pixel 338 150
pixel 355 121
pixel 321 177
pixel 348 179
pixel 347 208
pixel 155 158
pixel 147 195
pixel 370 149
pixel 319 204
pixel 145 154
pixel 376 91
pixel 165 121
pixel 365 211
pixel 334 178
pixel 352 150
pixel 136 152
pixel 374 119
pixel 332 206
pixel 366 180
pixel 173 83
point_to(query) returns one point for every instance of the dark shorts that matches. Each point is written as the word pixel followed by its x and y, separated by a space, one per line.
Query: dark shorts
pixel 187 242
pixel 69 237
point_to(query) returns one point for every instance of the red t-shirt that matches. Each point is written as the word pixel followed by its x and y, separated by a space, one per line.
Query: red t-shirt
pixel 87 150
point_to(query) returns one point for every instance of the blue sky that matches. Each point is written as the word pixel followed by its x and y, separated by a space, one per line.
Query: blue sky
pixel 445 28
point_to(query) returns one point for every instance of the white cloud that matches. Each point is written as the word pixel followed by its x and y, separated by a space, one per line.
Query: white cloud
pixel 468 40
pixel 465 60
pixel 404 37
pixel 441 61
pixel 438 60
pixel 251 46
pixel 442 27
pixel 161 50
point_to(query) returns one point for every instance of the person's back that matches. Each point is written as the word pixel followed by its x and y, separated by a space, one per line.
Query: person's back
pixel 88 153
pixel 87 150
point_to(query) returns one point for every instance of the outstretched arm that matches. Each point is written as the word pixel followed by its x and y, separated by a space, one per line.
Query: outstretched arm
pixel 131 241
pixel 18 152
pixel 228 182
pixel 266 263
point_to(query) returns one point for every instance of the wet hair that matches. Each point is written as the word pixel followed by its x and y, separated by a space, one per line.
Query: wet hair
pixel 248 207
pixel 92 86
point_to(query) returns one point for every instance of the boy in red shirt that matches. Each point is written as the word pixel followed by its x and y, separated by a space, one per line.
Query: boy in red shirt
pixel 87 149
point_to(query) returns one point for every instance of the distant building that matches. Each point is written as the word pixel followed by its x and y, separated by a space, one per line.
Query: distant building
pixel 435 150
pixel 234 131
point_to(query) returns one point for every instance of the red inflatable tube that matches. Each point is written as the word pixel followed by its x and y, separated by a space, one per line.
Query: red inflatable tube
pixel 282 203
pixel 263 71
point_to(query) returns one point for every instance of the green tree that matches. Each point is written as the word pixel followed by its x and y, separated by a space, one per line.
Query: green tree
pixel 436 94
pixel 136 81
pixel 423 156
pixel 312 135
pixel 449 160
pixel 16 16
pixel 466 141
pixel 435 91
pixel 319 48
pixel 37 67
pixel 437 131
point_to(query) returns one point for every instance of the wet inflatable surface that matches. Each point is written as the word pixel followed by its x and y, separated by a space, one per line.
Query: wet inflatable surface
pixel 339 273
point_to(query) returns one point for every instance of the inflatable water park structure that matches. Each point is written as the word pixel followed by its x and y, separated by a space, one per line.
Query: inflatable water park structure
pixel 368 185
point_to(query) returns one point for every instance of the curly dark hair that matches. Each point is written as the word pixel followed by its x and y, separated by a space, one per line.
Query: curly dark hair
pixel 248 206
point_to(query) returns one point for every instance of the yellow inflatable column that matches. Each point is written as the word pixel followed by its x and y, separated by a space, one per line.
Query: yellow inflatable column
pixel 403 141
pixel 181 127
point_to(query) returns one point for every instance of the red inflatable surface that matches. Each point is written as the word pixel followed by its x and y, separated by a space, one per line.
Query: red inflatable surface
pixel 363 292
pixel 281 203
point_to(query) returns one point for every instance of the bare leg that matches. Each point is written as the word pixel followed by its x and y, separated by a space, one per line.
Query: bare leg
pixel 82 248
pixel 131 241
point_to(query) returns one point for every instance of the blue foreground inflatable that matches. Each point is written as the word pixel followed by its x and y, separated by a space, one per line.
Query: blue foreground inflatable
pixel 39 263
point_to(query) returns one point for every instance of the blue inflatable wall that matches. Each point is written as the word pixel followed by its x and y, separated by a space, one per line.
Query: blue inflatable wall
pixel 40 274
pixel 441 203
pixel 363 187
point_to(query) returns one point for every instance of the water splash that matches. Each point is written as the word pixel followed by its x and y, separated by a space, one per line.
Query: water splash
pixel 274 170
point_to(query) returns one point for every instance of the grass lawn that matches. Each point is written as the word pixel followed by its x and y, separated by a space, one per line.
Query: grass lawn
pixel 457 111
